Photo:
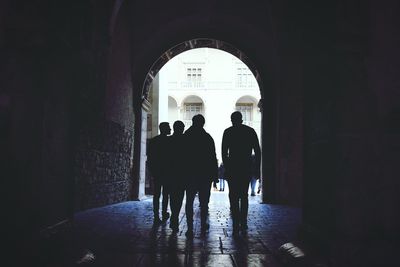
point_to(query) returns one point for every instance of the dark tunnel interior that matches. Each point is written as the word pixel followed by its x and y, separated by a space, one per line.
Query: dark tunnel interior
pixel 74 96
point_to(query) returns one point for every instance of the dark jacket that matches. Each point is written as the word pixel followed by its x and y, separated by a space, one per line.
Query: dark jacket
pixel 201 161
pixel 158 157
pixel 238 143
pixel 177 158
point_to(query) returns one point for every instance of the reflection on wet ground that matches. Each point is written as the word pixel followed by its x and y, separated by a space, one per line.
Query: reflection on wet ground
pixel 123 235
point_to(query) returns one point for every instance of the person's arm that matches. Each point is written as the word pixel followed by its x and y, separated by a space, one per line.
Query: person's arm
pixel 225 154
pixel 224 150
pixel 215 162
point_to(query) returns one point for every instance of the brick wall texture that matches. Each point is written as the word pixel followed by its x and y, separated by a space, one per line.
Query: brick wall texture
pixel 103 166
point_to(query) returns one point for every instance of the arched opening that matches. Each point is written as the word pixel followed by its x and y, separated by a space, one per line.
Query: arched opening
pixel 248 106
pixel 191 106
pixel 202 84
pixel 173 111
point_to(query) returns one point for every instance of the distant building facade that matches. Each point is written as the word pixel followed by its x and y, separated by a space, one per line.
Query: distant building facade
pixel 205 81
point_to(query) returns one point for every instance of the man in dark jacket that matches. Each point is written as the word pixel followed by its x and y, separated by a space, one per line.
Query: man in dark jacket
pixel 158 163
pixel 177 173
pixel 202 170
pixel 238 143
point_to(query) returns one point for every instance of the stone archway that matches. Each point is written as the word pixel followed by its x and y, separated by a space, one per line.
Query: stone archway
pixel 224 46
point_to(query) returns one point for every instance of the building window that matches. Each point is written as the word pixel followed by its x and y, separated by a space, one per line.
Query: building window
pixel 194 76
pixel 247 112
pixel 192 109
pixel 244 78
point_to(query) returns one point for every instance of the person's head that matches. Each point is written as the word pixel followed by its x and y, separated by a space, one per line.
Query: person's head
pixel 179 126
pixel 164 128
pixel 236 118
pixel 198 121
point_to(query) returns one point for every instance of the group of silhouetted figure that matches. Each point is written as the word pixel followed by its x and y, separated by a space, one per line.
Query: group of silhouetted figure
pixel 185 162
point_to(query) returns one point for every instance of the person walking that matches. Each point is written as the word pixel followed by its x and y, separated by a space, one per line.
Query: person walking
pixel 202 171
pixel 221 173
pixel 238 143
pixel 177 173
pixel 158 164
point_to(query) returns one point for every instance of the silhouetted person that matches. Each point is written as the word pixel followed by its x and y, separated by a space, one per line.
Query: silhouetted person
pixel 221 177
pixel 202 169
pixel 238 143
pixel 158 163
pixel 177 173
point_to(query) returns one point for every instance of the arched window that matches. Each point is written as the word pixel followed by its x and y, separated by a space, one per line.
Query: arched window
pixel 192 109
pixel 192 105
pixel 247 112
pixel 247 105
pixel 244 77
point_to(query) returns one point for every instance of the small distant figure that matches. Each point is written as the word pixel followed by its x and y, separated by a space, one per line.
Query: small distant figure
pixel 214 184
pixel 238 143
pixel 202 171
pixel 221 173
pixel 177 173
pixel 158 163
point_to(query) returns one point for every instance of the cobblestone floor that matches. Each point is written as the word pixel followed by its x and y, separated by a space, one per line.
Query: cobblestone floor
pixel 122 235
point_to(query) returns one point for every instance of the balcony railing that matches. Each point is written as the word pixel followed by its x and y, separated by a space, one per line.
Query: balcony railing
pixel 209 85
pixel 190 84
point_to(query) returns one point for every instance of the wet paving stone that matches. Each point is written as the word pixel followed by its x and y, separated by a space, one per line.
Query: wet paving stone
pixel 123 235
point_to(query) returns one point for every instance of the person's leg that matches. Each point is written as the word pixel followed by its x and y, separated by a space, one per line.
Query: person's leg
pixel 172 204
pixel 156 200
pixel 175 208
pixel 253 186
pixel 234 202
pixel 204 198
pixel 190 195
pixel 207 192
pixel 176 205
pixel 223 184
pixel 165 198
pixel 244 204
pixel 230 195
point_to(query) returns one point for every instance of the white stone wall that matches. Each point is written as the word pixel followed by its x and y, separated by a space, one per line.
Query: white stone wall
pixel 218 90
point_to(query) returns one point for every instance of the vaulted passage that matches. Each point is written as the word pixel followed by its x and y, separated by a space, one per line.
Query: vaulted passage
pixel 75 81
pixel 205 81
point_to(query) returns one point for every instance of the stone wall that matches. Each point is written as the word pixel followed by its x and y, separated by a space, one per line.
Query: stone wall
pixel 103 166
pixel 105 119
